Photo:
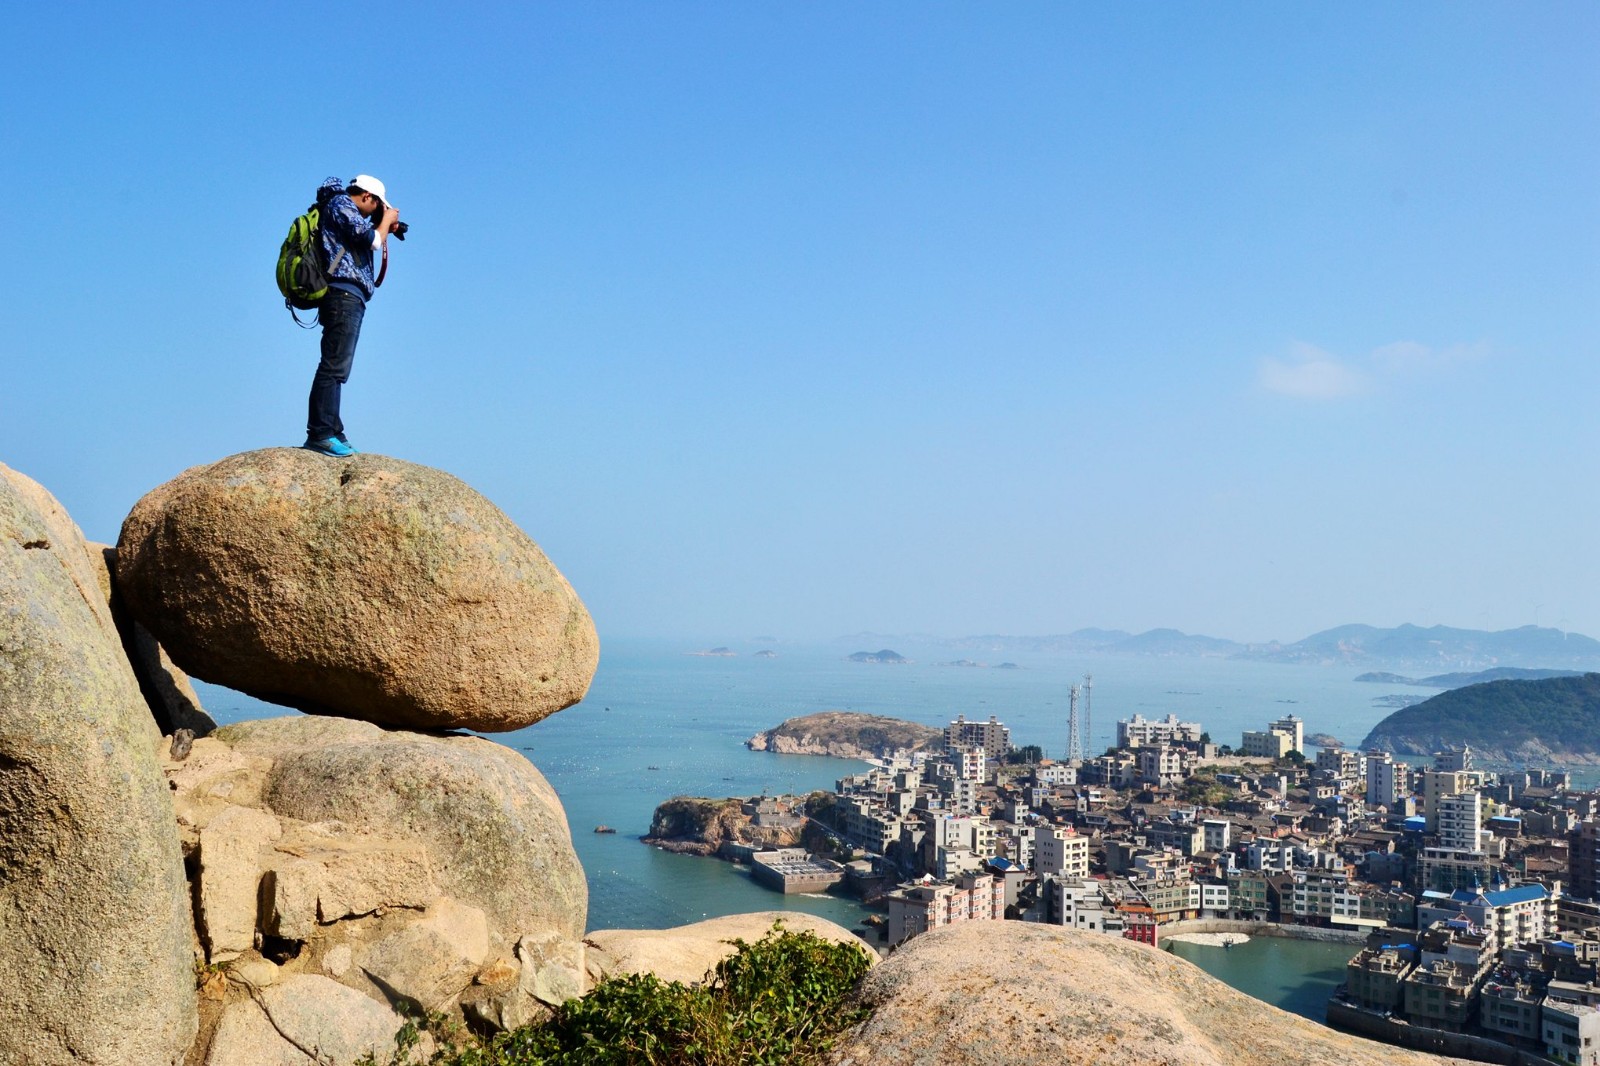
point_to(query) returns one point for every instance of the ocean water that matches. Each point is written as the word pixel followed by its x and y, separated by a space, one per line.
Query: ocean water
pixel 1296 975
pixel 660 722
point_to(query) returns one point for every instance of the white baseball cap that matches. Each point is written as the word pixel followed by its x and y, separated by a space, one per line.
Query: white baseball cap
pixel 368 183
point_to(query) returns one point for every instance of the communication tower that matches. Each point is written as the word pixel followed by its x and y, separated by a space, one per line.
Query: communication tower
pixel 1074 737
pixel 1088 713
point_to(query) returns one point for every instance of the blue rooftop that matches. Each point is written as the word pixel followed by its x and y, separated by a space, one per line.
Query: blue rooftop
pixel 1521 894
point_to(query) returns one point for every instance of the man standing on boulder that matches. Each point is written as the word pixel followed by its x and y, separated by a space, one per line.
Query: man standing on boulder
pixel 349 237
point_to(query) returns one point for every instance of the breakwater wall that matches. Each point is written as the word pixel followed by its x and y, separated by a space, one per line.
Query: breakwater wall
pixel 1365 1023
pixel 1292 932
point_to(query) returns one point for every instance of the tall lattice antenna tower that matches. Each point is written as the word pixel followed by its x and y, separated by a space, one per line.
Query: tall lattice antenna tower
pixel 1088 712
pixel 1074 737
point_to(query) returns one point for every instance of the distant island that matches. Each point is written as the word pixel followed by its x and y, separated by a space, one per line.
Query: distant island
pixel 766 653
pixel 1459 680
pixel 847 735
pixel 1550 721
pixel 981 666
pixel 884 656
pixel 1325 740
pixel 719 653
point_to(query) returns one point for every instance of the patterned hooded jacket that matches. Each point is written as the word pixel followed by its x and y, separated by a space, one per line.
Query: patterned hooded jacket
pixel 348 243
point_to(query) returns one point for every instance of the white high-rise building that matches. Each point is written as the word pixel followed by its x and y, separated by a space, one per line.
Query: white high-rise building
pixel 1461 821
pixel 1386 779
pixel 1294 728
pixel 1139 732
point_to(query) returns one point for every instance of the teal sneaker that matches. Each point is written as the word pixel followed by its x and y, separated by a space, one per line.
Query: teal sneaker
pixel 332 446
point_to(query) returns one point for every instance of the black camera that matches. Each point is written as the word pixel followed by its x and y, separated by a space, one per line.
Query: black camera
pixel 399 230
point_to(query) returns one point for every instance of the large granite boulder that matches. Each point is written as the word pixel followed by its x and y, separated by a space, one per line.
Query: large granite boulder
pixel 96 944
pixel 689 953
pixel 365 587
pixel 996 993
pixel 431 872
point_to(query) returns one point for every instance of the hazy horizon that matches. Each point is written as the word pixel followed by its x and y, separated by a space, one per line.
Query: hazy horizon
pixel 1247 321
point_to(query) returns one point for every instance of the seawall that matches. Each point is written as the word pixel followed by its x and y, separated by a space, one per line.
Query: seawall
pixel 1246 928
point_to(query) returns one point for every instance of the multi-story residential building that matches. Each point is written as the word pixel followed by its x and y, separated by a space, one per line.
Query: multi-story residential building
pixel 991 737
pixel 1215 900
pixel 1386 779
pixel 1138 732
pixel 1267 744
pixel 1509 1004
pixel 1324 897
pixel 1185 838
pixel 1247 894
pixel 1171 899
pixel 1525 914
pixel 1442 995
pixel 1447 869
pixel 1293 728
pixel 870 825
pixel 1340 764
pixel 920 906
pixel 1218 834
pixel 1436 785
pixel 1460 821
pixel 1571 1032
pixel 1585 859
pixel 1080 904
pixel 1060 851
pixel 1161 766
pixel 1375 978
pixel 1453 758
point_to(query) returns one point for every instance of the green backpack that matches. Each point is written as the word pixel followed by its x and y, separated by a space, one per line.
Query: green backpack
pixel 301 277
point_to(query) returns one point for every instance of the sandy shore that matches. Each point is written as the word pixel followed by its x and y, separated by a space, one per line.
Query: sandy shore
pixel 1210 940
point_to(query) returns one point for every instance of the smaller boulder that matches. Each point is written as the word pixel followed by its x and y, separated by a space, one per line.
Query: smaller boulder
pixel 302 1020
pixel 689 953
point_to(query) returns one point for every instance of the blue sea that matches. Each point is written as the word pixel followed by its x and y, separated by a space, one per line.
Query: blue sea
pixel 660 722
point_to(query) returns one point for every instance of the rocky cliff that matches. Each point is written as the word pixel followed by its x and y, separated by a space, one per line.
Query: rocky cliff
pixel 846 735
pixel 694 826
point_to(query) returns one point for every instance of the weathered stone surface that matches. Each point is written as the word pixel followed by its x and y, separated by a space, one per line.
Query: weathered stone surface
pixel 494 830
pixel 328 871
pixel 367 587
pixel 689 953
pixel 230 879
pixel 429 961
pixel 304 1020
pixel 95 927
pixel 996 993
pixel 166 689
pixel 412 867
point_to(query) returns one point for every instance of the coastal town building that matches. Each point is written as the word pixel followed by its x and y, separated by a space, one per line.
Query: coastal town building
pixel 1060 851
pixel 929 904
pixel 1138 732
pixel 1387 779
pixel 991 737
pixel 1265 744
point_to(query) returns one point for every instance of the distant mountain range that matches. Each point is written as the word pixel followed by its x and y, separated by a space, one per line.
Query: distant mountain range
pixel 1437 648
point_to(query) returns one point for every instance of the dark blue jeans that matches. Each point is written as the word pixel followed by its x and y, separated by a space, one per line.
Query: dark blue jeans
pixel 340 313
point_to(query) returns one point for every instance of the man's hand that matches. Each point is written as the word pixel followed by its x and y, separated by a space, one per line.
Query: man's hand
pixel 390 217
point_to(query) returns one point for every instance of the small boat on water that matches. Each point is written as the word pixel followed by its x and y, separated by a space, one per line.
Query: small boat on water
pixel 1227 941
pixel 604 829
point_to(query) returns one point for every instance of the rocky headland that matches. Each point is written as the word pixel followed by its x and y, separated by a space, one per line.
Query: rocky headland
pixel 846 735
pixel 1550 721
pixel 692 825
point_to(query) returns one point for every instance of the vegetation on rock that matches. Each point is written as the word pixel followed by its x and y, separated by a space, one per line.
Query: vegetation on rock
pixel 782 1000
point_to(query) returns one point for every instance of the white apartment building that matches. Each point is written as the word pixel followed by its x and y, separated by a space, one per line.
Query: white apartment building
pixel 1339 763
pixel 1060 852
pixel 1386 779
pixel 1460 819
pixel 1214 901
pixel 1138 732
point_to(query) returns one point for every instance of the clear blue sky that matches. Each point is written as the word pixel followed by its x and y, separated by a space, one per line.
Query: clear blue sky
pixel 806 319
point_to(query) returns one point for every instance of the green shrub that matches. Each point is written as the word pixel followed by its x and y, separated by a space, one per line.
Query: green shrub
pixel 778 1002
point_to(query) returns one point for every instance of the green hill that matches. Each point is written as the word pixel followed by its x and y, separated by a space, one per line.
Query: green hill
pixel 1555 720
